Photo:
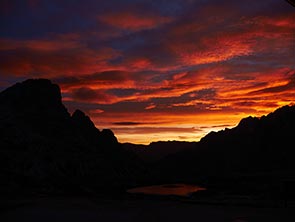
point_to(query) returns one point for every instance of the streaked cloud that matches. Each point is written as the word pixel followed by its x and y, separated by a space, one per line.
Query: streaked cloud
pixel 132 21
pixel 166 69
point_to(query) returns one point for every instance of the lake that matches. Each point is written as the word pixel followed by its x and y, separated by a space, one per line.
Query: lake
pixel 183 190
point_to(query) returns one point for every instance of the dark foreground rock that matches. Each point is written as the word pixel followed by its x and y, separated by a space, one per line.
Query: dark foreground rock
pixel 81 209
pixel 45 149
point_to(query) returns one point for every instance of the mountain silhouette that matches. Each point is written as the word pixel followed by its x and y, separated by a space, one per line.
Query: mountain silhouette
pixel 256 147
pixel 156 151
pixel 45 149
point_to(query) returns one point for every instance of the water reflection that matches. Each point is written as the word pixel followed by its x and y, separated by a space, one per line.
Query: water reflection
pixel 183 190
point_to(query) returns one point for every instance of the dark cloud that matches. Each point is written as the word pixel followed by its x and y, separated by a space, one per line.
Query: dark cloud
pixel 290 85
pixel 147 130
pixel 109 76
pixel 50 58
pixel 217 126
pixel 127 123
pixel 85 94
pixel 88 94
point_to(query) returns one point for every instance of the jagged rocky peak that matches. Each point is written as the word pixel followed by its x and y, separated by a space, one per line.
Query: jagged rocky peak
pixel 284 112
pixel 82 119
pixel 248 123
pixel 78 114
pixel 38 90
pixel 107 135
pixel 34 95
pixel 87 127
pixel 84 124
pixel 53 150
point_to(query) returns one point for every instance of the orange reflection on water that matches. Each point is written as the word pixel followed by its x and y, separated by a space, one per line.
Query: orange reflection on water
pixel 167 189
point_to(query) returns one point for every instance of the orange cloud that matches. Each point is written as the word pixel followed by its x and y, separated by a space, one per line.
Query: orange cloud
pixel 150 106
pixel 212 49
pixel 183 74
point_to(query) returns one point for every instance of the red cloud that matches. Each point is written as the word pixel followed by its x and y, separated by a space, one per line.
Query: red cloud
pixel 133 21
pixel 246 60
pixel 102 80
pixel 46 45
pixel 216 40
pixel 52 57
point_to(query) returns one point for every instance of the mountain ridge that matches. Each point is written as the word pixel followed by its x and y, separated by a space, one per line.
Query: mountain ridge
pixel 257 145
pixel 45 148
pixel 248 124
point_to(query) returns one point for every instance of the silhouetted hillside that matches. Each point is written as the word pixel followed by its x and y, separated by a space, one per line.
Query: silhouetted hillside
pixel 258 146
pixel 155 151
pixel 44 148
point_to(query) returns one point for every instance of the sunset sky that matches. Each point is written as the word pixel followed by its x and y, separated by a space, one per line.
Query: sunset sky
pixel 155 69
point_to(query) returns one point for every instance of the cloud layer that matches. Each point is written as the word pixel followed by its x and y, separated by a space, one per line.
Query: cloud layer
pixel 149 70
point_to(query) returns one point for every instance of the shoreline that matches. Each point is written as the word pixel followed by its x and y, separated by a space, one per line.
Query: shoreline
pixel 76 209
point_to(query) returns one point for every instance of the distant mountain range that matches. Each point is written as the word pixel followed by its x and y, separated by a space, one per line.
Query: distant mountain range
pixel 256 146
pixel 45 149
pixel 156 151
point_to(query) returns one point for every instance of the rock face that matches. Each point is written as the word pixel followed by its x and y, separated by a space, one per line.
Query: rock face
pixel 43 147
